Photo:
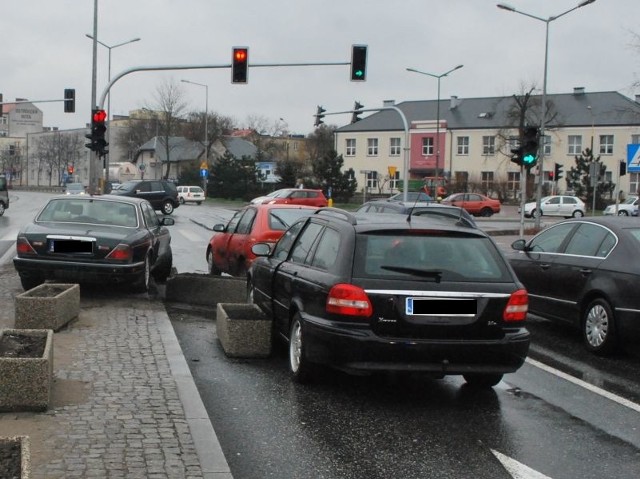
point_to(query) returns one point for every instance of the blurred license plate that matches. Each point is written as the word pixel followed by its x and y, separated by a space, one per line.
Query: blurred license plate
pixel 70 246
pixel 441 306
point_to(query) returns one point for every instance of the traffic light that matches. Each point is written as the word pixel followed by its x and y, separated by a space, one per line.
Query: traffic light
pixel 70 169
pixel 623 168
pixel 357 106
pixel 319 116
pixel 530 146
pixel 557 173
pixel 516 156
pixel 98 130
pixel 69 100
pixel 240 65
pixel 358 62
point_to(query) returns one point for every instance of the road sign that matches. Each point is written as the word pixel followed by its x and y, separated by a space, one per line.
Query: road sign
pixel 633 158
pixel 204 166
pixel 204 173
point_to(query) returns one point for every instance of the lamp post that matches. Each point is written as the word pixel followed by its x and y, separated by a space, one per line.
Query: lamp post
pixel 206 128
pixel 546 21
pixel 109 47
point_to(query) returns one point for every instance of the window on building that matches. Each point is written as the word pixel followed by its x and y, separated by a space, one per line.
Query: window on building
pixel 634 180
pixel 394 147
pixel 488 145
pixel 575 145
pixel 427 146
pixel 372 179
pixel 487 179
pixel 372 147
pixel 394 180
pixel 547 145
pixel 513 181
pixel 350 149
pixel 463 145
pixel 635 139
pixel 606 144
pixel 295 146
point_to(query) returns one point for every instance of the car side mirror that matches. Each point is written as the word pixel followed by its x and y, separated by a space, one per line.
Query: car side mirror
pixel 519 245
pixel 165 221
pixel 220 228
pixel 261 249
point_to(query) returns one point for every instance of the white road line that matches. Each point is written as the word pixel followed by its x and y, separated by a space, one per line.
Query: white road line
pixel 590 387
pixel 517 469
pixel 191 236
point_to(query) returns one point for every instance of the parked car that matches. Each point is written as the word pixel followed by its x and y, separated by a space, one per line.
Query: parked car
pixel 372 292
pixel 162 194
pixel 293 196
pixel 412 197
pixel 453 213
pixel 229 249
pixel 627 208
pixel 4 194
pixel 557 205
pixel 475 203
pixel 579 271
pixel 75 189
pixel 190 194
pixel 95 239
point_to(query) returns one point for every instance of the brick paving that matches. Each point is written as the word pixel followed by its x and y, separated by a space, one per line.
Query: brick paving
pixel 126 419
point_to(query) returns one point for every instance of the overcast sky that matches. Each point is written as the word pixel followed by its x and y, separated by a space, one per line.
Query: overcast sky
pixel 45 50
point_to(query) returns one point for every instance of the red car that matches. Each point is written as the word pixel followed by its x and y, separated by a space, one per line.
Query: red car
pixel 229 249
pixel 293 196
pixel 474 203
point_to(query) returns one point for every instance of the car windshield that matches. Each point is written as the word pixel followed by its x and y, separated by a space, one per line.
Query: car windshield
pixel 100 212
pixel 128 186
pixel 414 256
pixel 281 218
pixel 631 200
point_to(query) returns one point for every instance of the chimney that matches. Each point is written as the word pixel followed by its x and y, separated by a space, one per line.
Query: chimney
pixel 578 90
pixel 388 102
pixel 454 102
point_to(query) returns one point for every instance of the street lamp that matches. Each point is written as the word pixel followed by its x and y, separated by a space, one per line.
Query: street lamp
pixel 547 21
pixel 206 127
pixel 438 77
pixel 109 47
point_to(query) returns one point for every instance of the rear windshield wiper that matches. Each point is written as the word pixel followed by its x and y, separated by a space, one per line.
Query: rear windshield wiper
pixel 425 273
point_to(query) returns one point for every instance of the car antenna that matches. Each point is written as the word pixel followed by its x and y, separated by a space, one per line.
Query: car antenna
pixel 415 203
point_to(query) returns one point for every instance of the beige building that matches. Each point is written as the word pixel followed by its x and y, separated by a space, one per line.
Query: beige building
pixel 475 136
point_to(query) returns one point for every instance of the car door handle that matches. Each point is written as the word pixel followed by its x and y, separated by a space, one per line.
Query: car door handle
pixel 585 272
pixel 544 266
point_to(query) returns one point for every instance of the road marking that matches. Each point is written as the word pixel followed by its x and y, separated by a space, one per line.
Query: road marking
pixel 517 469
pixel 590 387
pixel 191 236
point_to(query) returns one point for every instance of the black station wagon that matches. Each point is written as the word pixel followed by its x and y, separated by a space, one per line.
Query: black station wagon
pixel 386 292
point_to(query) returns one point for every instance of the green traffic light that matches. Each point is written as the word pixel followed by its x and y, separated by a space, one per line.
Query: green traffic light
pixel 529 159
pixel 359 73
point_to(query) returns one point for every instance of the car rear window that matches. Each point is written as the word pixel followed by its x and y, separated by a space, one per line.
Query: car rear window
pixel 281 218
pixel 408 255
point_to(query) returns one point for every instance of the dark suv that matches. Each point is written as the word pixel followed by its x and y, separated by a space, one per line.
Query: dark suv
pixel 162 194
pixel 367 293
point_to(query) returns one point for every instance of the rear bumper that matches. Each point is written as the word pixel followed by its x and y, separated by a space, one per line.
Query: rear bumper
pixel 359 349
pixel 78 271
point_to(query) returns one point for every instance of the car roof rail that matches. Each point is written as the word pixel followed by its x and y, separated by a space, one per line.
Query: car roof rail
pixel 337 213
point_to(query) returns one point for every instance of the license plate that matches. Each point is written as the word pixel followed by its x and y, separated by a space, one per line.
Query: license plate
pixel 70 246
pixel 441 307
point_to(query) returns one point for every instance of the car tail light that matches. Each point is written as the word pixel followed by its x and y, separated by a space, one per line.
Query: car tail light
pixel 121 252
pixel 23 246
pixel 517 307
pixel 348 300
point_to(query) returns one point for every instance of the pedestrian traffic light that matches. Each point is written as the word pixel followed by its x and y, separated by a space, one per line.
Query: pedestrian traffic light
pixel 239 65
pixel 530 136
pixel 557 174
pixel 516 156
pixel 357 106
pixel 319 116
pixel 358 62
pixel 98 130
pixel 623 167
pixel 69 100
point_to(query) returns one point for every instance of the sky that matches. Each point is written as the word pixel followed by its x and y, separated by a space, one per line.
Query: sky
pixel 45 50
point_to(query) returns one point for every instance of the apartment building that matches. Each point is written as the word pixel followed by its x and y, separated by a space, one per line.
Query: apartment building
pixel 472 138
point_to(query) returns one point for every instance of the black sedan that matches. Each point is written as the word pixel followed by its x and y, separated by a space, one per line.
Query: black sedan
pixel 95 239
pixel 367 293
pixel 585 272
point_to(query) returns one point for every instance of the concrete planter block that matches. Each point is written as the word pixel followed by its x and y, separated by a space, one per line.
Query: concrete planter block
pixel 48 306
pixel 243 330
pixel 206 290
pixel 25 381
pixel 15 457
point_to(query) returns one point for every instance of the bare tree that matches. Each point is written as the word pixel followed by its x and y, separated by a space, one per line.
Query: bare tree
pixel 168 115
pixel 215 125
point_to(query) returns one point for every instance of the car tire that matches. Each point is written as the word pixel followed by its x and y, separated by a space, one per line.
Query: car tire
pixel 213 269
pixel 167 207
pixel 250 293
pixel 598 328
pixel 623 213
pixel 578 214
pixel 299 367
pixel 198 203
pixel 482 381
pixel 535 213
pixel 182 201
pixel 29 282
pixel 141 285
pixel 163 271
pixel 1 208
pixel 486 212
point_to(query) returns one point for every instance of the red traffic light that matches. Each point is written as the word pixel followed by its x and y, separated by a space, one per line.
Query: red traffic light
pixel 239 65
pixel 240 54
pixel 70 169
pixel 99 116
